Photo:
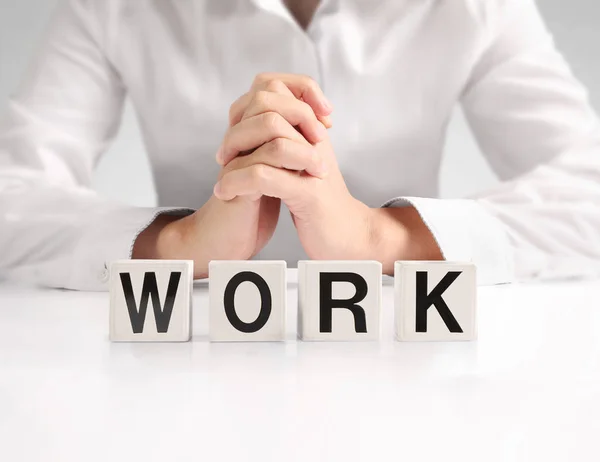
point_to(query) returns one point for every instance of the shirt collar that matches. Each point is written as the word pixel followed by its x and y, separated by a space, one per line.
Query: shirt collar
pixel 278 7
pixel 272 6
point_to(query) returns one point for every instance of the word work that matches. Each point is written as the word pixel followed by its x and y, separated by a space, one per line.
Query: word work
pixel 151 301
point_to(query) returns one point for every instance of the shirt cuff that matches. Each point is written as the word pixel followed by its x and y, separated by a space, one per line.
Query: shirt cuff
pixel 111 238
pixel 466 232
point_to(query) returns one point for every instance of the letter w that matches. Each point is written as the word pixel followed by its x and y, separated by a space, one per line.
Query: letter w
pixel 162 316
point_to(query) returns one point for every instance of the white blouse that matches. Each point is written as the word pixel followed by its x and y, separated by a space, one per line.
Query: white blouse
pixel 393 69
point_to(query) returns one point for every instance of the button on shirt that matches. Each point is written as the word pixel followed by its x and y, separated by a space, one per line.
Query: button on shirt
pixel 393 69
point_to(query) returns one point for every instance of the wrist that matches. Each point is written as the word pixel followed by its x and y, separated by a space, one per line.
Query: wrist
pixel 399 233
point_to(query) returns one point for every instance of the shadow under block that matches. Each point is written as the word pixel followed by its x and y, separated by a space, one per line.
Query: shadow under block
pixel 151 300
pixel 339 300
pixel 247 301
pixel 435 301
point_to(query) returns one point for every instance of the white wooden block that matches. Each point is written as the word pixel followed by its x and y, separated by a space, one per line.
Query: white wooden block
pixel 151 300
pixel 339 300
pixel 435 301
pixel 247 301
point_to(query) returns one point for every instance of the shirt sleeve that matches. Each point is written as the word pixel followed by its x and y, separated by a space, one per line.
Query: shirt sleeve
pixel 534 123
pixel 54 229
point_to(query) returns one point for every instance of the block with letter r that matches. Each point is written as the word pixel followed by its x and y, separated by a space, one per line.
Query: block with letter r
pixel 151 300
pixel 339 300
pixel 435 301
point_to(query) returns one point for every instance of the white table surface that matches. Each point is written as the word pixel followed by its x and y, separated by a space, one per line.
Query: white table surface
pixel 527 390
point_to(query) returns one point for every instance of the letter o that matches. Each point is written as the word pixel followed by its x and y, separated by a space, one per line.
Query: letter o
pixel 265 302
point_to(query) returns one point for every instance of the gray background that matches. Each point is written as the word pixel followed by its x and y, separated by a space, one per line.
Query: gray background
pixel 574 23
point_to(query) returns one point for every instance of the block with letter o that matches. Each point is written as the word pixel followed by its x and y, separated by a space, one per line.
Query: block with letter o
pixel 247 301
pixel 339 300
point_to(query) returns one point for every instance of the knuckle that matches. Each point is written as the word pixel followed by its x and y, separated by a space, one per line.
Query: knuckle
pixel 306 111
pixel 278 147
pixel 233 109
pixel 261 99
pixel 272 121
pixel 309 82
pixel 259 78
pixel 274 86
pixel 236 107
pixel 259 174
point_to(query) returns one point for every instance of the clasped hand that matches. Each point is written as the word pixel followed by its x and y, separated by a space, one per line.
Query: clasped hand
pixel 277 149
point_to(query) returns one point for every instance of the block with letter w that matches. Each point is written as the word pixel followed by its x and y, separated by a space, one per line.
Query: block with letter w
pixel 164 284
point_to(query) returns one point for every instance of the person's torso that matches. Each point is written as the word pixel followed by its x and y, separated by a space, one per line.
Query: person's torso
pixel 393 70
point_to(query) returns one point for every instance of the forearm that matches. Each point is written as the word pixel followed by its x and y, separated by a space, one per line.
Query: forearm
pixel 217 231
